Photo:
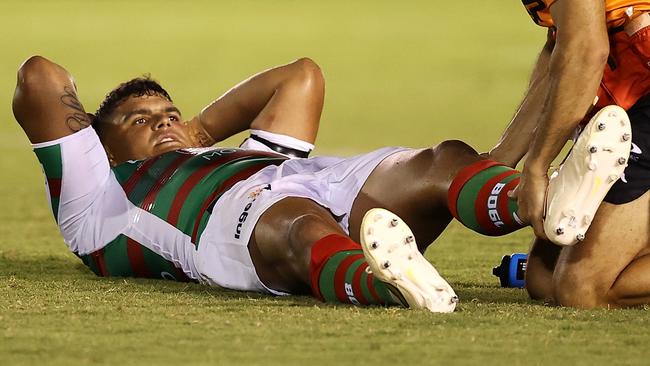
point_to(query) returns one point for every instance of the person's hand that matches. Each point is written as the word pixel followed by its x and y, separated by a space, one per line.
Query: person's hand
pixel 530 194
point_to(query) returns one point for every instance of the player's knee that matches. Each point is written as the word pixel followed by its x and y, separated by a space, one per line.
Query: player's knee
pixel 453 150
pixel 303 228
pixel 446 158
pixel 303 232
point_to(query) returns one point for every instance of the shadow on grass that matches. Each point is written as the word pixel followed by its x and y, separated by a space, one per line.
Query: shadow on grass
pixel 491 294
pixel 68 269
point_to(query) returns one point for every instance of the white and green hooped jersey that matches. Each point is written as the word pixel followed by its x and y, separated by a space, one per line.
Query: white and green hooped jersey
pixel 116 220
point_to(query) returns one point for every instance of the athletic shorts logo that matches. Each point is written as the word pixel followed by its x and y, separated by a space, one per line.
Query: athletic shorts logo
pixel 244 215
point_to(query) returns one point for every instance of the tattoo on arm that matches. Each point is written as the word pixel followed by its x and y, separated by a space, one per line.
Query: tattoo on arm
pixel 77 119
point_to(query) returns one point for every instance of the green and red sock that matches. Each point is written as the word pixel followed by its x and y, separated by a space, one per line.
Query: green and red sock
pixel 478 198
pixel 338 273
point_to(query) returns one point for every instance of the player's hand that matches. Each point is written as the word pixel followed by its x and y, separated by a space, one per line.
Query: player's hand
pixel 530 194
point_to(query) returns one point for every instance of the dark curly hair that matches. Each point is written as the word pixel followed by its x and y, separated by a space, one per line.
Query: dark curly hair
pixel 135 87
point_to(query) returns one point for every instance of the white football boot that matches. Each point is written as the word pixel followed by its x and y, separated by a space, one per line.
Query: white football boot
pixel 597 160
pixel 393 257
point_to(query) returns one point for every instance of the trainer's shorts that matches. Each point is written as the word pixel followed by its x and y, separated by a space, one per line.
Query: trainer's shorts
pixel 626 82
pixel 331 182
pixel 627 75
pixel 636 178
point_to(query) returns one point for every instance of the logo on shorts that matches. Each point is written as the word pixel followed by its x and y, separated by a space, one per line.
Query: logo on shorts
pixel 244 215
pixel 254 194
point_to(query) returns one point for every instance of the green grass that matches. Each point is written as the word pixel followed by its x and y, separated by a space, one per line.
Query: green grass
pixel 397 74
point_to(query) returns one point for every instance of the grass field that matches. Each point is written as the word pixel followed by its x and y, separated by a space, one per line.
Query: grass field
pixel 411 73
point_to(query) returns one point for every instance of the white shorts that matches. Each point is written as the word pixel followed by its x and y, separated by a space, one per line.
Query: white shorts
pixel 333 183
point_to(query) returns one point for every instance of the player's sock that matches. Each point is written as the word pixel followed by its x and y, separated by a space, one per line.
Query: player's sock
pixel 338 274
pixel 478 198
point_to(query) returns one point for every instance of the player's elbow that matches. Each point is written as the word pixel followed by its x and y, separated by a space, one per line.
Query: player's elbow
pixel 36 77
pixel 308 74
pixel 33 71
pixel 37 73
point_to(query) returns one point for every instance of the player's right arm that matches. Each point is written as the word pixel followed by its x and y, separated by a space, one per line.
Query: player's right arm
pixel 45 103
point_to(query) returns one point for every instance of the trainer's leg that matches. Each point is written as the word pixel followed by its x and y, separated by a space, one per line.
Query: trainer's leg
pixel 298 247
pixel 539 269
pixel 426 187
pixel 611 267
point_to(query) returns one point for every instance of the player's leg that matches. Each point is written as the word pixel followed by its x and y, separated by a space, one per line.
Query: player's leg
pixel 611 267
pixel 428 187
pixel 281 242
pixel 298 247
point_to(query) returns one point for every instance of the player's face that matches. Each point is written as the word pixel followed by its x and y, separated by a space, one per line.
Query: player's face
pixel 142 127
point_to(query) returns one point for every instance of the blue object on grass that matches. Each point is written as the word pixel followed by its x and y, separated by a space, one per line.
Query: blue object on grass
pixel 512 270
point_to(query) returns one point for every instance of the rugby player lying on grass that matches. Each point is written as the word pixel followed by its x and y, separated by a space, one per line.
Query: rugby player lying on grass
pixel 136 196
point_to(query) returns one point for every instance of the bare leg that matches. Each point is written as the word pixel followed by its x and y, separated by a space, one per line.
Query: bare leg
pixel 611 267
pixel 414 185
pixel 539 269
pixel 281 243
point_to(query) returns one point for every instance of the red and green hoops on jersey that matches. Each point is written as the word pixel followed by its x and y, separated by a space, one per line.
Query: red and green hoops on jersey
pixel 179 187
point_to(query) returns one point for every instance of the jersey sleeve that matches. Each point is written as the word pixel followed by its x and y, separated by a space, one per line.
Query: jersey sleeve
pixel 89 205
pixel 285 145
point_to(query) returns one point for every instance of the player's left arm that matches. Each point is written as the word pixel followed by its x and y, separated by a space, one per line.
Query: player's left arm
pixel 285 101
pixel 576 67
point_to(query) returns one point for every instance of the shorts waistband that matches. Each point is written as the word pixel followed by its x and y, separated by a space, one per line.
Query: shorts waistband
pixel 636 24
